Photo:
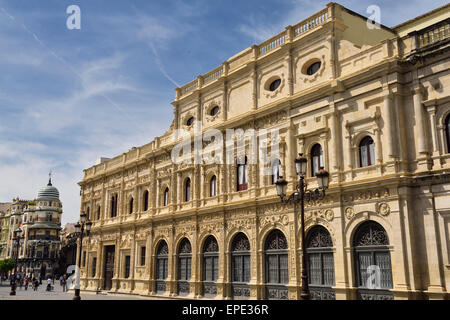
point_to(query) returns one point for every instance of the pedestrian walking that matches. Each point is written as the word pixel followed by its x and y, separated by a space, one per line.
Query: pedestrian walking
pixel 27 280
pixel 20 283
pixel 64 282
pixel 36 284
pixel 49 284
pixel 61 280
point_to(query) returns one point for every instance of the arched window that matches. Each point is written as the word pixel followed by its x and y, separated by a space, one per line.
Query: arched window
pixel 131 205
pixel 316 159
pixel 210 266
pixel 213 186
pixel 242 174
pixel 184 266
pixel 162 259
pixel 166 197
pixel 145 199
pixel 366 152
pixel 114 199
pixel 320 263
pixel 276 171
pixel 372 261
pixel 240 266
pixel 447 132
pixel 187 190
pixel 276 266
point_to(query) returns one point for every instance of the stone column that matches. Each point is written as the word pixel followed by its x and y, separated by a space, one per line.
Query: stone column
pixel 132 259
pixel 420 123
pixel 388 105
pixel 433 126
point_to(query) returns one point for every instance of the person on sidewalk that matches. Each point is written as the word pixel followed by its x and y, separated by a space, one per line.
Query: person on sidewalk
pixel 27 280
pixel 64 282
pixel 49 284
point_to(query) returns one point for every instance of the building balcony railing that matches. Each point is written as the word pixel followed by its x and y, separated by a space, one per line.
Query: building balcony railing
pixel 43 237
pixel 262 49
pixel 433 34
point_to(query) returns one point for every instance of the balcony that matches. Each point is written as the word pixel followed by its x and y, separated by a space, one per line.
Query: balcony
pixel 43 237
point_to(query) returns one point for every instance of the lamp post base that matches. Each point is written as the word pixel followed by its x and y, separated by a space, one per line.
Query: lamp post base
pixel 13 290
pixel 305 296
pixel 77 295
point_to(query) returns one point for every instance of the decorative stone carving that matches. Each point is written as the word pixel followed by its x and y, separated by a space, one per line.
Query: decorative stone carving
pixel 324 214
pixel 283 219
pixel 349 213
pixel 384 209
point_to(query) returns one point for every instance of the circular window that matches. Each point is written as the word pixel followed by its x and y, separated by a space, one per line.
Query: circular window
pixel 313 68
pixel 190 121
pixel 214 111
pixel 275 84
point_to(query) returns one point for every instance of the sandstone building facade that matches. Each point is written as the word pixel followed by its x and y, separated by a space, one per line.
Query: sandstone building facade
pixel 371 105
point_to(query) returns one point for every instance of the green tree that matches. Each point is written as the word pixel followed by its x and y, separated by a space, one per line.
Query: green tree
pixel 6 265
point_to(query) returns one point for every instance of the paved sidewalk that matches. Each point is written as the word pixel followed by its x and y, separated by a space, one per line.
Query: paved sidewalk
pixel 57 294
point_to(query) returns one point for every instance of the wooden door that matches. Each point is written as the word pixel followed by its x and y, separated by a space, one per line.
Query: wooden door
pixel 109 267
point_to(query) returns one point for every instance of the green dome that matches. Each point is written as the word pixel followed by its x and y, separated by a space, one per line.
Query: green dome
pixel 48 192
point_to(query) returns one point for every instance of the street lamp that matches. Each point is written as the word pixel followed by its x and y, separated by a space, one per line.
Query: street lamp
pixel 79 230
pixel 299 197
pixel 16 238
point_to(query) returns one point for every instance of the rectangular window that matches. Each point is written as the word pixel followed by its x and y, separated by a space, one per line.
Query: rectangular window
pixel 143 249
pixel 127 266
pixel 84 259
pixel 94 266
pixel 284 266
pixel 328 269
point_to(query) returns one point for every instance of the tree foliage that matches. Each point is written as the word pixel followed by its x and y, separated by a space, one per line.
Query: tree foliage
pixel 6 265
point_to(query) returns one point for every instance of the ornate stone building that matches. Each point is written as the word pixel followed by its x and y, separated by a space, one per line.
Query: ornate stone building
pixel 369 104
pixel 5 215
pixel 39 253
pixel 40 222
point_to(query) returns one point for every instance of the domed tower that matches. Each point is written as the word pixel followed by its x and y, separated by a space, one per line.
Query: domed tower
pixel 42 225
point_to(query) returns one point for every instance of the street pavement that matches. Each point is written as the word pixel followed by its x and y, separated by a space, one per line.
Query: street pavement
pixel 58 294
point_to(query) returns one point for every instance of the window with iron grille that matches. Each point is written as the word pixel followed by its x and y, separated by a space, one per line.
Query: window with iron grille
pixel 371 249
pixel 276 257
pixel 240 259
pixel 320 261
pixel 162 259
pixel 184 260
pixel 210 260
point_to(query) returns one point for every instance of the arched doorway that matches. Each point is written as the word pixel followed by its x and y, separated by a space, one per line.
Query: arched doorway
pixel 184 266
pixel 320 260
pixel 372 260
pixel 162 259
pixel 276 266
pixel 210 267
pixel 240 267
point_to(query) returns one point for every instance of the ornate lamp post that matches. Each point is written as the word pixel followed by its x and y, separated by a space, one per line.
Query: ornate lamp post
pixel 299 197
pixel 79 230
pixel 16 238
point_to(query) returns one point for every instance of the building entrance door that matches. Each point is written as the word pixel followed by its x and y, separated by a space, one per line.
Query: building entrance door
pixel 109 267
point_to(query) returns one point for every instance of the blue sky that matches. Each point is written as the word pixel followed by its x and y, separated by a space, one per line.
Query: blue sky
pixel 68 97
